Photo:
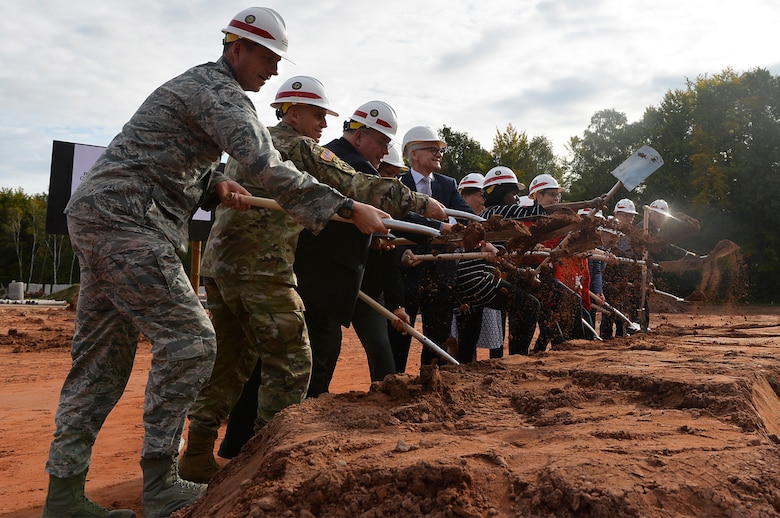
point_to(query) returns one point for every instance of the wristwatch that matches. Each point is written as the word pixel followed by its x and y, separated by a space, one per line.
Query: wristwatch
pixel 347 209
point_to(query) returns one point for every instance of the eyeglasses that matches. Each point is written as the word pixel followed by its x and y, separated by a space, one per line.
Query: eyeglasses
pixel 433 150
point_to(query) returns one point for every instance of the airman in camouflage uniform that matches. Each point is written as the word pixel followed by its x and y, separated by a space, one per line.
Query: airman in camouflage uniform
pixel 127 223
pixel 256 310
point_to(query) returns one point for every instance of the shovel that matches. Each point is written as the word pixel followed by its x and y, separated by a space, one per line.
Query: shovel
pixel 392 224
pixel 409 329
pixel 635 169
pixel 604 307
pixel 460 214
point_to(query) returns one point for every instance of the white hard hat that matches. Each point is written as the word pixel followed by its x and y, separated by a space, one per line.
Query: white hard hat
pixel 377 115
pixel 472 181
pixel 625 205
pixel 501 174
pixel 262 25
pixel 303 90
pixel 660 206
pixel 542 182
pixel 393 157
pixel 420 134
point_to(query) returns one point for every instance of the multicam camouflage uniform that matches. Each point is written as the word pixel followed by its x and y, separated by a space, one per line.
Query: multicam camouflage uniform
pixel 256 310
pixel 127 222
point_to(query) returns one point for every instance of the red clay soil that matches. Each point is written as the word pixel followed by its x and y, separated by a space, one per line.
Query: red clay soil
pixel 681 421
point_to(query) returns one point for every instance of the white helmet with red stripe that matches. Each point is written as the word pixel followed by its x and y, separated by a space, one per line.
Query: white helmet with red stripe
pixel 542 182
pixel 625 205
pixel 261 25
pixel 377 115
pixel 660 206
pixel 471 181
pixel 502 174
pixel 303 90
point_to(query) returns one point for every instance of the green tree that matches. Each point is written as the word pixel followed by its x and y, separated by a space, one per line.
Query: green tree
pixel 720 140
pixel 13 231
pixel 464 154
pixel 28 253
pixel 512 149
pixel 608 141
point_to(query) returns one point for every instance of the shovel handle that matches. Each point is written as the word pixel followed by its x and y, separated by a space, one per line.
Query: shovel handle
pixel 392 224
pixel 463 215
pixel 409 329
pixel 613 191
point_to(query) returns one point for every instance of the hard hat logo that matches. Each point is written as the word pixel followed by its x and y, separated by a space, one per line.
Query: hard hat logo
pixel 297 85
pixel 377 115
pixel 261 25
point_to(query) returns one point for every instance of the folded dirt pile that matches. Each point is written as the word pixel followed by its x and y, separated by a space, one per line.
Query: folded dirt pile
pixel 681 422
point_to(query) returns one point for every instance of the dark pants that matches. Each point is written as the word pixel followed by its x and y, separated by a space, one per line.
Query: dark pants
pixel 524 311
pixel 429 291
pixel 241 422
pixel 325 338
pixel 562 313
pixel 371 328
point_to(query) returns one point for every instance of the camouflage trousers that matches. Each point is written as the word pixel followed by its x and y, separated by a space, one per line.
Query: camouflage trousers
pixel 130 283
pixel 254 320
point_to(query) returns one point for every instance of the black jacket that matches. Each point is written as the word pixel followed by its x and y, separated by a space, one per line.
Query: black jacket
pixel 330 266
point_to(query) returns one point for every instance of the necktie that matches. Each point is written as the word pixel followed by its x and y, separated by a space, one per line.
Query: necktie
pixel 424 185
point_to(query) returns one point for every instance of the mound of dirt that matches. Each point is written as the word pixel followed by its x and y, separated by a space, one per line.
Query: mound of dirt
pixel 681 422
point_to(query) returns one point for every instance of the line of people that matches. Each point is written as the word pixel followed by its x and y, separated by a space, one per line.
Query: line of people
pixel 280 284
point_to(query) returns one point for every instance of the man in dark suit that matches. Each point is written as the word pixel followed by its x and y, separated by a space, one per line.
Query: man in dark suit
pixel 332 266
pixel 429 287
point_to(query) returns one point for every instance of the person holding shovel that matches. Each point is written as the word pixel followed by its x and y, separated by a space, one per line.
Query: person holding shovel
pixel 559 309
pixel 353 265
pixel 248 270
pixel 476 277
pixel 128 226
pixel 428 287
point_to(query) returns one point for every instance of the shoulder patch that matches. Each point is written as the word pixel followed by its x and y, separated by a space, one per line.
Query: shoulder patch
pixel 327 155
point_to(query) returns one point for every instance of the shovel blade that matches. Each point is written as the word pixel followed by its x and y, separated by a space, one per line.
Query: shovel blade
pixel 637 167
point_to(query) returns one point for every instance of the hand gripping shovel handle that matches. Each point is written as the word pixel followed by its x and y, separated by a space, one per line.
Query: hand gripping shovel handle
pixel 547 259
pixel 409 329
pixel 392 224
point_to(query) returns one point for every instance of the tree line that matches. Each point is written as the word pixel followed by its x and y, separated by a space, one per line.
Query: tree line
pixel 719 137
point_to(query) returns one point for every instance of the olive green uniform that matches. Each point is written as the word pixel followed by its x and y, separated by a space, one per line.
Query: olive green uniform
pixel 248 263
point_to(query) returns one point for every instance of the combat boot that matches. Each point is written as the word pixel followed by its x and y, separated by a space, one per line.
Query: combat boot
pixel 197 463
pixel 164 491
pixel 66 499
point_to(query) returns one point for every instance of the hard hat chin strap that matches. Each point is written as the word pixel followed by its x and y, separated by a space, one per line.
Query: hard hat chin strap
pixel 351 125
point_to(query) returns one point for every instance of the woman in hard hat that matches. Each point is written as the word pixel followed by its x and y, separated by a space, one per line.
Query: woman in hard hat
pixel 478 280
pixel 392 164
pixel 470 188
pixel 555 325
pixel 490 320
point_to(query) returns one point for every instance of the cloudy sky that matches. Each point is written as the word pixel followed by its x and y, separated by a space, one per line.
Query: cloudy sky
pixel 76 71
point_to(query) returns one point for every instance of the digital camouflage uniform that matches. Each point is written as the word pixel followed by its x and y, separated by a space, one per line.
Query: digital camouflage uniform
pixel 256 310
pixel 128 225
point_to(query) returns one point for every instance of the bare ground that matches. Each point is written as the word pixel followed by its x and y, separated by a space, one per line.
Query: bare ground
pixel 682 421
